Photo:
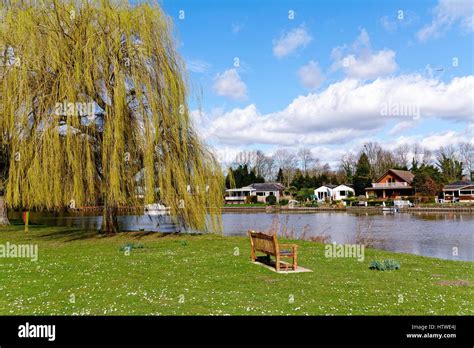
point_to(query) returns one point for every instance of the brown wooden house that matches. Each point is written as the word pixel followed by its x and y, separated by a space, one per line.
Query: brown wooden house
pixel 393 184
pixel 459 191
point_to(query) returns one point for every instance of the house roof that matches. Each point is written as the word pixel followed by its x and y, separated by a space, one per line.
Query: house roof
pixel 242 189
pixel 405 175
pixel 458 185
pixel 329 186
pixel 345 187
pixel 267 186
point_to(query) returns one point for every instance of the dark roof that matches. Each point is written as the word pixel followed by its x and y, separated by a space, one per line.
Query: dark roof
pixel 348 185
pixel 268 186
pixel 402 174
pixel 458 184
pixel 331 186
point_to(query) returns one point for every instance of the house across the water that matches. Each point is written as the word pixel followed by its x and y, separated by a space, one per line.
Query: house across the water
pixel 260 190
pixel 393 184
pixel 333 192
pixel 459 191
pixel 324 192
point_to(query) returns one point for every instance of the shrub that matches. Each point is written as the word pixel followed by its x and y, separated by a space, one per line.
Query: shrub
pixel 311 204
pixel 253 199
pixel 131 246
pixel 290 191
pixel 284 202
pixel 271 200
pixel 385 265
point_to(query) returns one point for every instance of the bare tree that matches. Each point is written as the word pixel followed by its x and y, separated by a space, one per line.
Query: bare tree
pixel 256 160
pixel 380 160
pixel 288 163
pixel 448 151
pixel 306 159
pixel 401 155
pixel 243 158
pixel 421 154
pixel 263 164
pixel 426 156
pixel 466 154
pixel 348 166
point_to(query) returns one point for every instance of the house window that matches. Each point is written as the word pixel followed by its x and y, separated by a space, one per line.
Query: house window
pixel 342 193
pixel 464 192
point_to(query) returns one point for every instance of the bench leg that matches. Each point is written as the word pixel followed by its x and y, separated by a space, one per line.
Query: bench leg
pixel 277 264
pixel 295 261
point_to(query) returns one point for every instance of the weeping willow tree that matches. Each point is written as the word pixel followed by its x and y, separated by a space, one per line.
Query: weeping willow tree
pixel 3 173
pixel 93 112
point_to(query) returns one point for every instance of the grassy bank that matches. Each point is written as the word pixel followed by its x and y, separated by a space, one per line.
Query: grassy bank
pixel 79 272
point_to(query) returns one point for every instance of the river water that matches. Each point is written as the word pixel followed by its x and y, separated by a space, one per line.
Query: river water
pixel 441 235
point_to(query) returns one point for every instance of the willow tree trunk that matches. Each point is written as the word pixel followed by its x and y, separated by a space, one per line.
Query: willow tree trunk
pixel 109 219
pixel 3 212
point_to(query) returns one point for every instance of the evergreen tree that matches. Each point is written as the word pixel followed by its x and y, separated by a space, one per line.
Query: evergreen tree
pixel 280 177
pixel 242 177
pixel 451 169
pixel 428 180
pixel 362 177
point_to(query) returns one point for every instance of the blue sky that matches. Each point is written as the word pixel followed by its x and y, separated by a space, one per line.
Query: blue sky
pixel 321 79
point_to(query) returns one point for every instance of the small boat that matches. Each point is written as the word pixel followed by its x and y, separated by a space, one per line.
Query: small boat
pixel 390 209
pixel 156 209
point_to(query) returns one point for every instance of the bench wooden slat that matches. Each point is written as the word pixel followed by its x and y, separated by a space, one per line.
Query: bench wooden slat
pixel 269 245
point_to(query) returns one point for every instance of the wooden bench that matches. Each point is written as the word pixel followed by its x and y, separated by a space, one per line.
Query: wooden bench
pixel 269 245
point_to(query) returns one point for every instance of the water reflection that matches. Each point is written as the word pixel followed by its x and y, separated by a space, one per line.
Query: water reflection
pixel 447 236
pixel 440 235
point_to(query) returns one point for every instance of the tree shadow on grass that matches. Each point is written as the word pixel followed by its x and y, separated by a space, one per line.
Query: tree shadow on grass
pixel 144 234
pixel 69 234
pixel 73 234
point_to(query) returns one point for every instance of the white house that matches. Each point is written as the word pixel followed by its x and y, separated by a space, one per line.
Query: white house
pixel 260 190
pixel 333 192
pixel 324 192
pixel 342 192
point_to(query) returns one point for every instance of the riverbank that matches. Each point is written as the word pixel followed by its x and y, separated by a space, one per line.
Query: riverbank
pixel 266 208
pixel 81 272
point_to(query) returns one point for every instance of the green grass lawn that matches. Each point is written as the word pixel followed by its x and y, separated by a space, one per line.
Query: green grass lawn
pixel 83 273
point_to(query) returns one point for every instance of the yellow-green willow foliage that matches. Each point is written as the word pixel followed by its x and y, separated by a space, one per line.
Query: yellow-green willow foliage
pixel 93 108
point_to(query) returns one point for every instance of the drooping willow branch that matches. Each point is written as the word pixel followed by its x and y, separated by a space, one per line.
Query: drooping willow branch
pixel 93 111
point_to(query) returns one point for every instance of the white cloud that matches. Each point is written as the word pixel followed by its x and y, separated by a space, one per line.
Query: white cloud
pixel 370 66
pixel 402 127
pixel 229 84
pixel 289 42
pixel 344 111
pixel 361 62
pixel 432 141
pixel 197 66
pixel 445 15
pixel 310 75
